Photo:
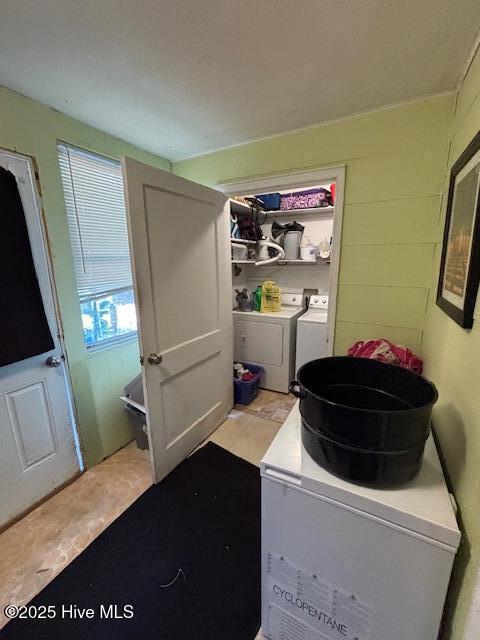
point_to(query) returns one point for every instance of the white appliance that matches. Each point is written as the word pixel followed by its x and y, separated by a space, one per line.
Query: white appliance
pixel 312 331
pixel 268 339
pixel 344 561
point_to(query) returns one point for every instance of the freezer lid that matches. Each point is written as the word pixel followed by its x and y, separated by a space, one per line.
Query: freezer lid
pixel 422 506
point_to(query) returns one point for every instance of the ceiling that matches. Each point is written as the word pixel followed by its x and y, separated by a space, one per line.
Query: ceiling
pixel 184 77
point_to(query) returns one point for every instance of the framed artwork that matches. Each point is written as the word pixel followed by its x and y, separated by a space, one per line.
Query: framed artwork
pixel 460 265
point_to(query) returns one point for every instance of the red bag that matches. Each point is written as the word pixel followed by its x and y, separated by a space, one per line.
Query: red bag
pixel 385 351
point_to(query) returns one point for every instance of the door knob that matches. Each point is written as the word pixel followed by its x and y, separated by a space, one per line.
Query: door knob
pixel 53 361
pixel 154 358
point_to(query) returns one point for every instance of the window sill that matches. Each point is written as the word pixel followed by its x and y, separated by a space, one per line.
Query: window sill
pixel 112 343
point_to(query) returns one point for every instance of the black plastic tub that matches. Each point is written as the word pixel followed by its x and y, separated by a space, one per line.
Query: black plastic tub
pixel 364 420
pixel 362 466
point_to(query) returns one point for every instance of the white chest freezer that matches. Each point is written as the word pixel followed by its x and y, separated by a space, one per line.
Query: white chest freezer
pixel 344 561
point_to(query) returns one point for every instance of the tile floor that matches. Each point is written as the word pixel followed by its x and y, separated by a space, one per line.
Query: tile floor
pixel 270 405
pixel 35 549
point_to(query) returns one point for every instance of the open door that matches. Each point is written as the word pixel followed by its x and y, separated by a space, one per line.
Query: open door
pixel 179 243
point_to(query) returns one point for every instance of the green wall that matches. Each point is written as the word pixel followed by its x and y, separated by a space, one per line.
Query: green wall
pixel 98 377
pixel 395 196
pixel 395 161
pixel 452 356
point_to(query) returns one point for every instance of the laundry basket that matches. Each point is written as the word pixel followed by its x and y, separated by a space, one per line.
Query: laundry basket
pixel 246 391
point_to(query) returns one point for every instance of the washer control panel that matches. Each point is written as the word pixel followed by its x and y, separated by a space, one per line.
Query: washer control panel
pixel 292 299
pixel 319 301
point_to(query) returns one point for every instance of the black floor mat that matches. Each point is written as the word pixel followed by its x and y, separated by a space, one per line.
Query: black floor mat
pixel 198 531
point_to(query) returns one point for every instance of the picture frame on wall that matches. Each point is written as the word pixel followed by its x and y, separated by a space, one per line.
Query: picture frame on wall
pixel 460 264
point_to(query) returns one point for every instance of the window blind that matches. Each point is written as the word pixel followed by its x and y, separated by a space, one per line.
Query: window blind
pixel 93 190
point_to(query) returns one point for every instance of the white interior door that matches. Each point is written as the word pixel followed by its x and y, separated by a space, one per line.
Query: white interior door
pixel 37 447
pixel 179 240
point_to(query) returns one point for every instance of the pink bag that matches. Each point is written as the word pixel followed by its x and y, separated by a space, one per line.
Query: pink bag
pixel 385 351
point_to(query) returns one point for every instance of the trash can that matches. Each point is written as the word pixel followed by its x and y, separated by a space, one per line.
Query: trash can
pixel 135 410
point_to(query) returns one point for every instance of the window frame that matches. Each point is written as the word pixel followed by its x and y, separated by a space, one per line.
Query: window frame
pixel 111 341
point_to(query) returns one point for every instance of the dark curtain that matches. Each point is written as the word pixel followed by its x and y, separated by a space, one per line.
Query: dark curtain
pixel 24 330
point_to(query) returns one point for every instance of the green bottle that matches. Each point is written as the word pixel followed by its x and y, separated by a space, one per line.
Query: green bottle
pixel 257 298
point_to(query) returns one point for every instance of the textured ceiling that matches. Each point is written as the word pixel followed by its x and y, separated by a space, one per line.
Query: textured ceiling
pixel 182 78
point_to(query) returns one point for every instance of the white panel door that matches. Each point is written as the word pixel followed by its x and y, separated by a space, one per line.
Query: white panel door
pixel 179 240
pixel 37 447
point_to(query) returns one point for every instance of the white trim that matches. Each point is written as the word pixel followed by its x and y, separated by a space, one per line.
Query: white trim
pixel 282 181
pixel 294 179
pixel 32 176
pixel 468 62
pixel 110 343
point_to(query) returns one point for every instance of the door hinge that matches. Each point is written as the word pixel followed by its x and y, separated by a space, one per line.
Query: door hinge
pixel 142 360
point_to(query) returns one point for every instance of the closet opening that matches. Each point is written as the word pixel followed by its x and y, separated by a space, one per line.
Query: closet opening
pixel 285 235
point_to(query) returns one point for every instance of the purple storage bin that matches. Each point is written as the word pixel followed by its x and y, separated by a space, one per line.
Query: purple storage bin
pixel 308 199
pixel 246 391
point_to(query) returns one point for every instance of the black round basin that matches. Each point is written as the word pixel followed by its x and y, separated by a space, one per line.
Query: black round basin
pixel 364 420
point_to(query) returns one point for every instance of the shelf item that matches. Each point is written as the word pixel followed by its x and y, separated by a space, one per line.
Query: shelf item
pixel 296 212
pixel 242 209
pixel 242 241
pixel 271 201
pixel 315 197
pixel 304 262
pixel 285 262
pixel 239 208
pixel 308 250
pixel 239 251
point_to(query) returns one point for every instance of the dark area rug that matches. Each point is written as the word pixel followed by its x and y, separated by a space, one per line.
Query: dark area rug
pixel 185 556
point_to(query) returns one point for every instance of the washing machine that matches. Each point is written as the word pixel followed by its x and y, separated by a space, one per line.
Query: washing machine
pixel 312 331
pixel 269 339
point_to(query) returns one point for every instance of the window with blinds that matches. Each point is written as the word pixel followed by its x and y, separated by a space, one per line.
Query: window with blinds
pixel 93 191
